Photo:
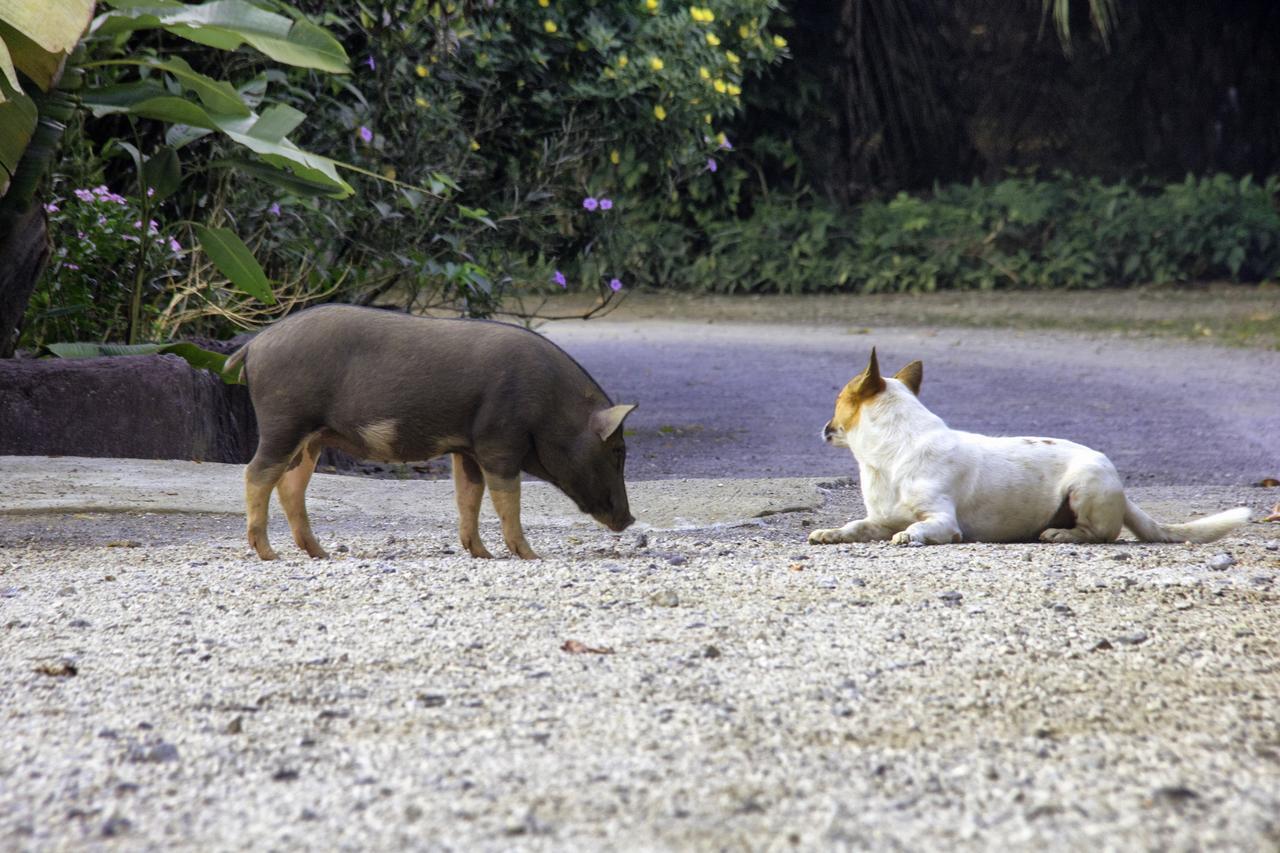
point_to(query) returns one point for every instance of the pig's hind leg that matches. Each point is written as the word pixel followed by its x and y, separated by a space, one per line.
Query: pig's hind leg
pixel 468 489
pixel 292 489
pixel 259 479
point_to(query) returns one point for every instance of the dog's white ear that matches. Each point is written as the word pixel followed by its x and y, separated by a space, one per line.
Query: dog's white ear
pixel 872 382
pixel 911 376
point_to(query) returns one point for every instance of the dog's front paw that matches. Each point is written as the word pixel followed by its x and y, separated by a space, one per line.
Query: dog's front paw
pixel 907 538
pixel 830 536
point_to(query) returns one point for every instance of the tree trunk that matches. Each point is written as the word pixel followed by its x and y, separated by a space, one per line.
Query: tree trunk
pixel 24 250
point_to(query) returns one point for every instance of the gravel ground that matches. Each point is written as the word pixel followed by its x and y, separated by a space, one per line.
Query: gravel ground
pixel 717 686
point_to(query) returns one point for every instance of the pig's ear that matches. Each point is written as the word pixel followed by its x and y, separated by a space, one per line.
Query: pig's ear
pixel 605 422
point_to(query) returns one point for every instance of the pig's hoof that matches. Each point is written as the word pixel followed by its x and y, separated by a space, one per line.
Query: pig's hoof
pixel 479 551
pixel 524 552
pixel 317 553
pixel 267 554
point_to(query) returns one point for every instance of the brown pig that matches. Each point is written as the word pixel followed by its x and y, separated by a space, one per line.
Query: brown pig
pixel 392 387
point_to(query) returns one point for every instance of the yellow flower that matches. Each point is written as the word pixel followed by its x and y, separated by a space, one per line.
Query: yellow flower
pixel 721 139
pixel 421 101
pixel 581 46
pixel 656 63
pixel 614 157
pixel 706 118
pixel 422 71
pixel 713 39
pixel 719 84
pixel 732 57
pixel 660 113
pixel 708 16
pixel 695 13
pixel 389 172
pixel 779 41
pixel 475 146
pixel 651 5
pixel 704 73
pixel 734 90
pixel 544 3
pixel 622 61
pixel 549 26
pixel 744 32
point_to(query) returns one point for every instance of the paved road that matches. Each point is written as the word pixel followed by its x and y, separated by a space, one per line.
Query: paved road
pixel 744 400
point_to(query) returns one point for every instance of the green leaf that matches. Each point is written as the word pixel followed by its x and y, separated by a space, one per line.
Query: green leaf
pixel 141 100
pixel 38 36
pixel 277 122
pixel 197 357
pixel 286 181
pixel 234 260
pixel 18 116
pixel 227 24
pixel 218 96
pixel 163 173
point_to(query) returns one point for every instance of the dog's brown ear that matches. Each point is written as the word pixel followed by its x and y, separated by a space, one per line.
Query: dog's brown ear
pixel 911 376
pixel 872 382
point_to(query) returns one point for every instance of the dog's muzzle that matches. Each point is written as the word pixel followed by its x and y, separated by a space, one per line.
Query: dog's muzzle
pixel 829 433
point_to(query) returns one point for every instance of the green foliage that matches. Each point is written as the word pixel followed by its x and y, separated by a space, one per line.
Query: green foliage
pixel 531 109
pixel 1066 232
pixel 86 290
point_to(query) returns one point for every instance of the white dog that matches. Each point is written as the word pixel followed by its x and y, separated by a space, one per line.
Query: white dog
pixel 926 484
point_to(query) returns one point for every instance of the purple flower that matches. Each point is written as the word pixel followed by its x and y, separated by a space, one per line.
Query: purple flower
pixel 369 62
pixel 711 165
pixel 274 209
pixel 84 195
pixel 558 278
pixel 50 208
pixel 365 133
pixel 606 204
pixel 174 246
pixel 726 144
pixel 590 203
pixel 71 266
pixel 151 191
pixel 615 285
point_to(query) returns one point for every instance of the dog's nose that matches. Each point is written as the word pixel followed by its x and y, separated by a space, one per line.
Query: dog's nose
pixel 828 432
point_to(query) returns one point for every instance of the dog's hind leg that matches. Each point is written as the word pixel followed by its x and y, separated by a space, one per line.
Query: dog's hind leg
pixel 1097 501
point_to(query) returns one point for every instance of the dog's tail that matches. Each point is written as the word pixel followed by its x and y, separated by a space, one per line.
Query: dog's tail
pixel 1205 529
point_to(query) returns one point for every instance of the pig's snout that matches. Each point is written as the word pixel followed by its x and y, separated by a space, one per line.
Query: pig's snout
pixel 617 525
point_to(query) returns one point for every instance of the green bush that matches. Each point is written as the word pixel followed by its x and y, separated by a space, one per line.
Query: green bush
pixel 1064 232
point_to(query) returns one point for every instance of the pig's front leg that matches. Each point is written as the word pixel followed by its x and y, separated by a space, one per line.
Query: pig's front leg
pixel 505 494
pixel 468 489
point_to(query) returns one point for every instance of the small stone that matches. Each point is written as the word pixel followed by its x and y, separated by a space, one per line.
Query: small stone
pixel 78 623
pixel 1064 609
pixel 1137 638
pixel 641 540
pixel 1272 544
pixel 1102 646
pixel 308 815
pixel 1174 794
pixel 236 726
pixel 665 598
pixel 677 559
pixel 342 549
pixel 159 752
pixel 285 774
pixel 1120 556
pixel 711 652
pixel 390 540
pixel 116 826
pixel 431 700
pixel 952 597
pixel 827 583
pixel 1221 562
pixel 1027 557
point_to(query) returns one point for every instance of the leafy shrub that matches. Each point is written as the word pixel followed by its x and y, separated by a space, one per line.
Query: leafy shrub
pixel 86 292
pixel 1065 232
